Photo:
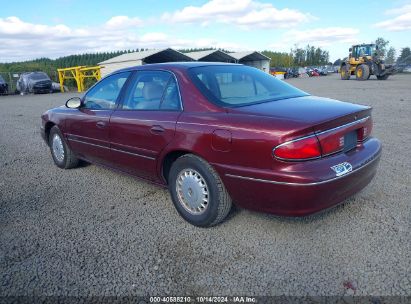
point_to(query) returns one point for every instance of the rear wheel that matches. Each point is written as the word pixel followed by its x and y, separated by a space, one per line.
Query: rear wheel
pixel 62 155
pixel 384 77
pixel 362 72
pixel 197 191
pixel 345 73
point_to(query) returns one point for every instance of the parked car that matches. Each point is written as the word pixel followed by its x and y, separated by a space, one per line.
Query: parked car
pixel 216 133
pixel 323 71
pixel 302 72
pixel 57 89
pixel 315 73
pixel 330 69
pixel 291 73
pixel 34 82
pixel 312 72
pixel 4 87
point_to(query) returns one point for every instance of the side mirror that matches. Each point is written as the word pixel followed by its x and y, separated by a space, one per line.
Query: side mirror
pixel 350 49
pixel 73 103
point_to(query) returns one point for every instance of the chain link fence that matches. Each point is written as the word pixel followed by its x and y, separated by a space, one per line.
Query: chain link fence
pixel 11 79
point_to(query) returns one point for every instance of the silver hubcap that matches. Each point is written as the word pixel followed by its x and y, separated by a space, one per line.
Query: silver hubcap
pixel 58 149
pixel 192 191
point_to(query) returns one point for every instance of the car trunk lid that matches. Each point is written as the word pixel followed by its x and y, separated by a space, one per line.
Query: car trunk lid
pixel 318 112
pixel 339 126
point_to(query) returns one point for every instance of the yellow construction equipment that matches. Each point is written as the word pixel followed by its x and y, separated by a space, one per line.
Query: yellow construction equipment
pixel 78 73
pixel 363 61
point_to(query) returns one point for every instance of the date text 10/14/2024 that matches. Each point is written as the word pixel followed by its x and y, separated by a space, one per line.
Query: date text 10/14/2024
pixel 203 299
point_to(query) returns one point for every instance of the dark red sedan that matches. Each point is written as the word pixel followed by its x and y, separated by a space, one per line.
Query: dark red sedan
pixel 216 134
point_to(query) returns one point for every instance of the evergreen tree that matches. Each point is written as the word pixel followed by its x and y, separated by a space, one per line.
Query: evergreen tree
pixel 405 56
pixel 390 58
pixel 382 45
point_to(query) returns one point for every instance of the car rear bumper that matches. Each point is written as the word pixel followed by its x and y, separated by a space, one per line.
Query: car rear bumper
pixel 282 196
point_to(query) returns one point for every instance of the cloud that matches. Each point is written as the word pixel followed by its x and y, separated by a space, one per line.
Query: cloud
pixel 154 37
pixel 402 21
pixel 20 40
pixel 399 10
pixel 322 36
pixel 243 13
pixel 121 22
pixel 14 26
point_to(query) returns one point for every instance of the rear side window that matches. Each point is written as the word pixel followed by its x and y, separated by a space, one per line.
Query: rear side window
pixel 152 90
pixel 105 93
pixel 237 85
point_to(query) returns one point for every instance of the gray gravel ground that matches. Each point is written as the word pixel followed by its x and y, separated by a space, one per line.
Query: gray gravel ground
pixel 91 231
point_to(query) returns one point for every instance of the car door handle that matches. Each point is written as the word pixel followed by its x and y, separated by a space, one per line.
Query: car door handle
pixel 157 129
pixel 101 124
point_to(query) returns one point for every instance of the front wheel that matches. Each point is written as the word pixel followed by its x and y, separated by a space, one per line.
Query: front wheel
pixel 197 191
pixel 62 155
pixel 362 72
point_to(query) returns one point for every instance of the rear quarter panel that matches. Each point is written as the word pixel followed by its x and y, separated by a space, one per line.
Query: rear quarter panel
pixel 250 139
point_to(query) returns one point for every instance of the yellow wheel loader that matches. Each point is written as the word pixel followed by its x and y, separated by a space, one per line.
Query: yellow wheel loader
pixel 363 61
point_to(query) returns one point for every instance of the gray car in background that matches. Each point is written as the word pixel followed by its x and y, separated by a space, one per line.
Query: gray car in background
pixel 34 82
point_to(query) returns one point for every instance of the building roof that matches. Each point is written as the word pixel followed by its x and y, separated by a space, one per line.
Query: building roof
pixel 211 55
pixel 177 65
pixel 249 56
pixel 150 56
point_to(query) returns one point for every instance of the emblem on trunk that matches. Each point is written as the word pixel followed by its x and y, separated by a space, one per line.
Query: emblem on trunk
pixel 342 168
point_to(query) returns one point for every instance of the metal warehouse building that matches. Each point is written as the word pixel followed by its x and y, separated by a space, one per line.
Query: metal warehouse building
pixel 140 58
pixel 212 56
pixel 253 58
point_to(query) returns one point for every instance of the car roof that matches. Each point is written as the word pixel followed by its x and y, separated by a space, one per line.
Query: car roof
pixel 175 65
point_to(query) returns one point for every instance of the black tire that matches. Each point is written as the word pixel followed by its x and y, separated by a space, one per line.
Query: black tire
pixel 362 72
pixel 345 73
pixel 69 160
pixel 384 77
pixel 219 201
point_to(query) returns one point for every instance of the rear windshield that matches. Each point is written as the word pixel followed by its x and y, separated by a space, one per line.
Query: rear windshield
pixel 1 79
pixel 238 85
pixel 39 76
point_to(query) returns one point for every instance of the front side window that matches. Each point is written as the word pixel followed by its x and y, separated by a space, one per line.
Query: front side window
pixel 152 90
pixel 103 95
pixel 238 85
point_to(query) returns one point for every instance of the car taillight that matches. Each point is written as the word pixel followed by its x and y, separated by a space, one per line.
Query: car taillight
pixel 365 131
pixel 344 138
pixel 331 142
pixel 299 149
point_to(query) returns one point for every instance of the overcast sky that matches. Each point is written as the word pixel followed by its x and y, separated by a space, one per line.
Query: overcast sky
pixel 32 29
